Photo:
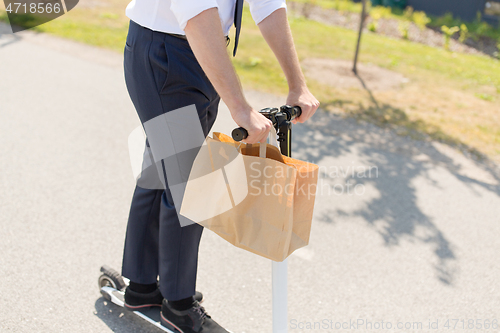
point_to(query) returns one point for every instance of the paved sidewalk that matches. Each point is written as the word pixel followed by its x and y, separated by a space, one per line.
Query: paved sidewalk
pixel 416 241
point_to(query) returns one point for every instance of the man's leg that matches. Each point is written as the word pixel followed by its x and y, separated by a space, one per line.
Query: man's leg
pixel 162 76
pixel 140 255
pixel 179 245
pixel 156 88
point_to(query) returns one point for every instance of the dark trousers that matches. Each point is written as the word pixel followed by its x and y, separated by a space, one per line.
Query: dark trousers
pixel 162 75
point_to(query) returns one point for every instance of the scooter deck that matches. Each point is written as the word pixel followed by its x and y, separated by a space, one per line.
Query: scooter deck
pixel 150 314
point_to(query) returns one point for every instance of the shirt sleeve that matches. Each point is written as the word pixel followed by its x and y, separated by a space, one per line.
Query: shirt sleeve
pixel 260 9
pixel 184 10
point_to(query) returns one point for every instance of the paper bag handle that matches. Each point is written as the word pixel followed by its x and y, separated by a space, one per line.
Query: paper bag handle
pixel 273 140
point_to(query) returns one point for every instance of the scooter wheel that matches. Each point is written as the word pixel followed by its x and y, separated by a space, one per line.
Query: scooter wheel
pixel 106 281
pixel 111 278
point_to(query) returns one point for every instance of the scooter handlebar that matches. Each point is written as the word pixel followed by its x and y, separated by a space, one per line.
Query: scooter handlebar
pixel 291 112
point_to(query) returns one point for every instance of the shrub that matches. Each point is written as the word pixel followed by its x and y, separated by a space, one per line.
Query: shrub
pixel 448 19
pixel 375 15
pixel 463 33
pixel 481 29
pixel 421 19
pixel 408 13
pixel 448 32
pixel 373 26
pixel 404 27
pixel 381 12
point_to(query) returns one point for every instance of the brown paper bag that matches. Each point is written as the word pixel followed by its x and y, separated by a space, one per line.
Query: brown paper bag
pixel 260 204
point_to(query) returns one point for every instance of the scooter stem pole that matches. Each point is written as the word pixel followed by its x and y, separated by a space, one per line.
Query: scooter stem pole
pixel 280 296
pixel 280 269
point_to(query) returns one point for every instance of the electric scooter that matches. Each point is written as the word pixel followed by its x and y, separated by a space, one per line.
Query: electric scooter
pixel 112 285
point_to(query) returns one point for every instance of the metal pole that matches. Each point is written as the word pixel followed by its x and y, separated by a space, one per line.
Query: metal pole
pixel 354 69
pixel 280 269
pixel 280 296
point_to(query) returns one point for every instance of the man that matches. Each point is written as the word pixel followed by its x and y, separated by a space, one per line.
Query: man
pixel 176 56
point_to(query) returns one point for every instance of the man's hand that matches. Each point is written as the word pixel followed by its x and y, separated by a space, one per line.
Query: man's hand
pixel 257 125
pixel 307 102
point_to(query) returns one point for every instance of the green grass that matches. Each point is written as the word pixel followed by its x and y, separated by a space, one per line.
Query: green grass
pixel 317 40
pixel 476 28
pixel 313 39
pixel 342 5
pixel 102 30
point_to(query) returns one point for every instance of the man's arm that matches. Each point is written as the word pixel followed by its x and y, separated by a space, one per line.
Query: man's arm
pixel 277 33
pixel 205 36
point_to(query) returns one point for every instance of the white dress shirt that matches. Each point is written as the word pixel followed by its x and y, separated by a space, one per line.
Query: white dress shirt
pixel 171 16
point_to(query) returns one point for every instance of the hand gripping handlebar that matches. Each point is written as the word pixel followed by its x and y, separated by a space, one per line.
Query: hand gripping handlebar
pixel 280 118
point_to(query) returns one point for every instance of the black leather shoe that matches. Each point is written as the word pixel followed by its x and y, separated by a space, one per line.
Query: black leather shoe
pixel 192 320
pixel 135 300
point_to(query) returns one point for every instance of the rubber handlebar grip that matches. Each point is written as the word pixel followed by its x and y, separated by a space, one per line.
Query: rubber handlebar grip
pixel 239 134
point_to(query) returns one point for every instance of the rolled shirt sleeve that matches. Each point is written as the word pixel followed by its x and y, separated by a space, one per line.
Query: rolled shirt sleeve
pixel 260 9
pixel 184 10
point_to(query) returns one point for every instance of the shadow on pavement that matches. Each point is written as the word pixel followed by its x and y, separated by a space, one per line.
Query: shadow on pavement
pixel 399 161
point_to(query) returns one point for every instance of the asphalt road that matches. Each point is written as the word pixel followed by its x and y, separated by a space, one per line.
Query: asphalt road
pixel 413 245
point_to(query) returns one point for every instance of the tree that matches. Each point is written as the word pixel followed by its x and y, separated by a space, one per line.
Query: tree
pixel 361 24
